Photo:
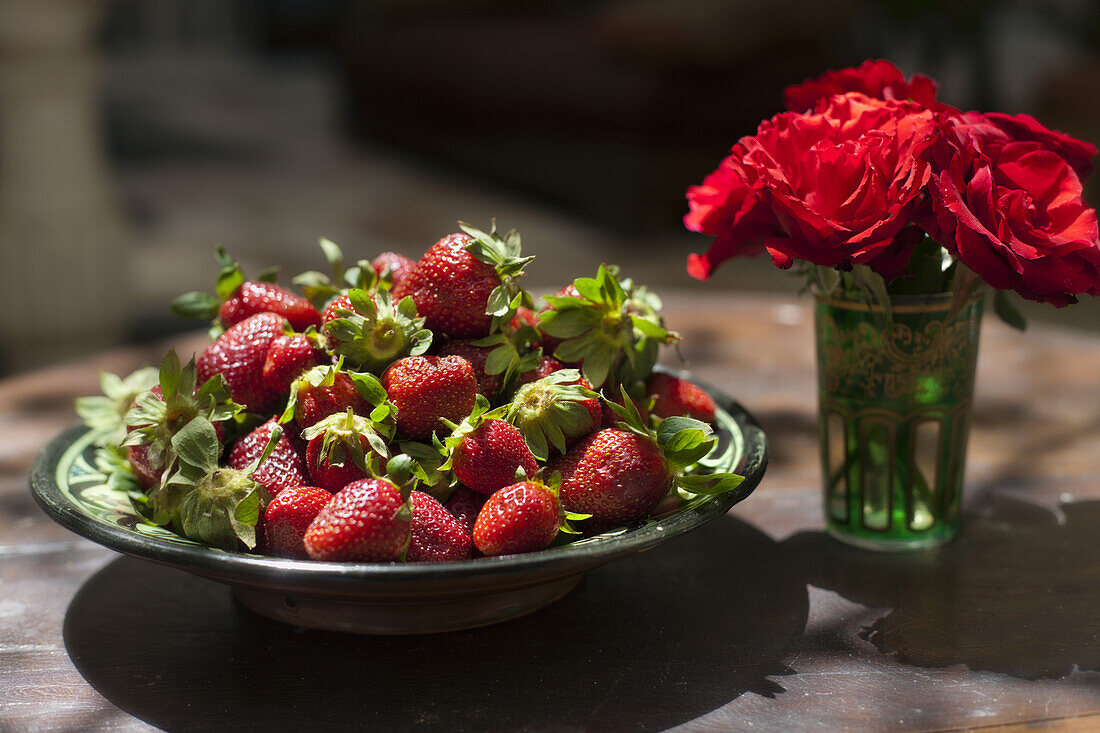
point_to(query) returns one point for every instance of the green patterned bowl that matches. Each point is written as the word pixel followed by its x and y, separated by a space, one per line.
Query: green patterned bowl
pixel 386 598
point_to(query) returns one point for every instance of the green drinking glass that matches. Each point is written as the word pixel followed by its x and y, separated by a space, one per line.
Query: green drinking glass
pixel 895 389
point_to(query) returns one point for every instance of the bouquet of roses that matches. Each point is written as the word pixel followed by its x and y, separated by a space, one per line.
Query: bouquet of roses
pixel 869 183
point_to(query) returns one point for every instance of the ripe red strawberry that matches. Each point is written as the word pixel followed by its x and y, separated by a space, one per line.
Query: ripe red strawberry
pixel 487 384
pixel 239 355
pixel 523 517
pixel 339 448
pixel 366 521
pixel 524 317
pixel 287 357
pixel 547 365
pixel 464 505
pixel 615 475
pixel 435 535
pixel 288 516
pixel 399 266
pixel 451 288
pixel 313 404
pixel 329 474
pixel 332 310
pixel 426 388
pixel 677 396
pixel 254 297
pixel 284 467
pixel 487 458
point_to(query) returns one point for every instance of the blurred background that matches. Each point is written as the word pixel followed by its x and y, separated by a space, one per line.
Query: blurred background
pixel 135 135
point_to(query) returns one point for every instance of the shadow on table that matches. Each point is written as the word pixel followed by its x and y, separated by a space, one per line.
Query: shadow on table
pixel 645 643
pixel 1016 593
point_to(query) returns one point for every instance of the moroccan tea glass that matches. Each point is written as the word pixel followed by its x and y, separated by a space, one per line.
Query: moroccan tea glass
pixel 895 394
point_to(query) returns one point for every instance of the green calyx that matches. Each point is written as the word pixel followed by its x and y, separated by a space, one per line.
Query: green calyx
pixel 684 442
pixel 510 356
pixel 106 413
pixel 342 440
pixel 377 333
pixel 469 424
pixel 505 254
pixel 209 504
pixel 321 288
pixel 548 410
pixel 156 419
pixel 612 331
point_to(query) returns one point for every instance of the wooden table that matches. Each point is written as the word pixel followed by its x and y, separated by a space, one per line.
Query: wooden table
pixel 755 621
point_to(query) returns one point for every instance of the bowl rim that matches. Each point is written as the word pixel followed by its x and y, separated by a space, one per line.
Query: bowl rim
pixel 267 572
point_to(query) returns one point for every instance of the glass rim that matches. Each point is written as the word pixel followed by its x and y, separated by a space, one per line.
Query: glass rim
pixel 900 303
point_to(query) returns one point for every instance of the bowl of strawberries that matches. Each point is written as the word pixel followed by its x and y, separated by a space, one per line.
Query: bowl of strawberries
pixel 403 446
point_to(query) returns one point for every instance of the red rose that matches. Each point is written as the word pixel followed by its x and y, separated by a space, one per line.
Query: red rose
pixel 996 129
pixel 833 187
pixel 842 182
pixel 726 207
pixel 1013 212
pixel 876 79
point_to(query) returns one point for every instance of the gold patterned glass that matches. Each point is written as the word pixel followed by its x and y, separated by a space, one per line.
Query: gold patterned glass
pixel 895 394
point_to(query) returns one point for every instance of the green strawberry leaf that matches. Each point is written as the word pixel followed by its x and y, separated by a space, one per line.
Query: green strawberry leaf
pixel 170 375
pixel 196 304
pixel 268 274
pixel 670 426
pixel 197 445
pixel 710 484
pixel 230 278
pixel 685 447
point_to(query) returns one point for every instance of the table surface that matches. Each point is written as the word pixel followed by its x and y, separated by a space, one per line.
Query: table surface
pixel 756 620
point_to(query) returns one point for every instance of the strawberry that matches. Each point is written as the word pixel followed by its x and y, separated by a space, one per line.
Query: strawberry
pixel 524 317
pixel 553 411
pixel 160 412
pixel 335 307
pixel 487 384
pixel 239 355
pixel 238 299
pixel 547 365
pixel 676 396
pixel 425 388
pixel 366 521
pixel 282 468
pixel 523 517
pixel 287 357
pixel 394 266
pixel 464 505
pixel 254 297
pixel 371 331
pixel 324 391
pixel 620 475
pixel 436 535
pixel 205 501
pixel 615 475
pixel 288 516
pixel 611 328
pixel 340 449
pixel 465 279
pixel 486 457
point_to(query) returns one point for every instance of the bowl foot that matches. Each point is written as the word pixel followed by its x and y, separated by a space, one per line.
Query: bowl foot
pixel 404 615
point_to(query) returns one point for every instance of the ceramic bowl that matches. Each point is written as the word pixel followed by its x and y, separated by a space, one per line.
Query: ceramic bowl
pixel 380 598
